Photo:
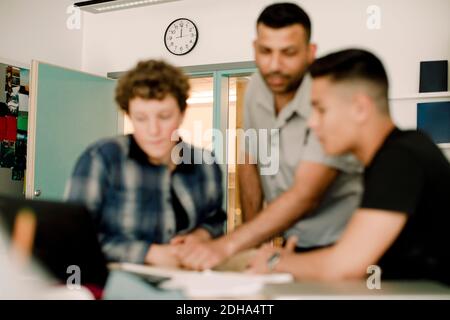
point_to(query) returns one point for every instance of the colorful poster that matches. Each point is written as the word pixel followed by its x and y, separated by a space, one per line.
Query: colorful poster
pixel 17 174
pixel 24 77
pixel 2 128
pixel 11 128
pixel 20 156
pixel 3 109
pixel 12 88
pixel 14 120
pixel 23 102
pixel 22 121
pixel 2 83
pixel 7 150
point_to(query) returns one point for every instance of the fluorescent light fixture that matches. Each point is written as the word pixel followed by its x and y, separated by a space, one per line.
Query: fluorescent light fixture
pixel 100 6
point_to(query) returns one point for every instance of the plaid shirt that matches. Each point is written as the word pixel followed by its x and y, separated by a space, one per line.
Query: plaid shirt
pixel 130 198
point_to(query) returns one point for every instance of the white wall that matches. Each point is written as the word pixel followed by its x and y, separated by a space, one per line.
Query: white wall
pixel 31 29
pixel 115 41
pixel 411 30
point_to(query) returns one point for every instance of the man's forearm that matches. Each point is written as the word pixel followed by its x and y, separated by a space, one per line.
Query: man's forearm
pixel 316 265
pixel 250 191
pixel 202 234
pixel 279 215
pixel 311 181
pixel 328 264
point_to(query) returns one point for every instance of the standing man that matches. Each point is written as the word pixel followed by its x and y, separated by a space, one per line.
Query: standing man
pixel 310 195
pixel 403 219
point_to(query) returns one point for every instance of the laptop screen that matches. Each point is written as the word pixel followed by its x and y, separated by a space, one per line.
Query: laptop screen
pixel 65 238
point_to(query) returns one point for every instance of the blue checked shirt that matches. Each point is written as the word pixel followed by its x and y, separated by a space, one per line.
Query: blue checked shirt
pixel 131 199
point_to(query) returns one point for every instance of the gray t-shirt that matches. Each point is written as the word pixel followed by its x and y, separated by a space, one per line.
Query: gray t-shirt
pixel 281 143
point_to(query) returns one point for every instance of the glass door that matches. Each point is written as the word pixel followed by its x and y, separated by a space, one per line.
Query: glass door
pixel 198 121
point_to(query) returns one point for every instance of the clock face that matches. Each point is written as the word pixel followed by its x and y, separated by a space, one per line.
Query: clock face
pixel 181 36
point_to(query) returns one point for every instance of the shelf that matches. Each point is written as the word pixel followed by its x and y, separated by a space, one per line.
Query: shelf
pixel 423 95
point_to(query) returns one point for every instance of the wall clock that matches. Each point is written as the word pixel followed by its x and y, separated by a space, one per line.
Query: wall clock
pixel 181 36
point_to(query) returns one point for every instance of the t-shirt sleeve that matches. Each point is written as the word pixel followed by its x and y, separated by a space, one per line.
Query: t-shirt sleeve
pixel 314 152
pixel 393 182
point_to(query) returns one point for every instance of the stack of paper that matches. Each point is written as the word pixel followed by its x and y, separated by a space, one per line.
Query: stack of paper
pixel 209 284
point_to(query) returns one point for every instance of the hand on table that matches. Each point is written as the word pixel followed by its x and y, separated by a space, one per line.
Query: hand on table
pixel 204 255
pixel 259 263
pixel 164 255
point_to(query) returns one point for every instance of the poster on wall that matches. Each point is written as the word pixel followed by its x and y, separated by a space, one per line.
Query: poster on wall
pixel 20 156
pixel 14 83
pixel 24 90
pixel 434 118
pixel 7 154
pixel 12 89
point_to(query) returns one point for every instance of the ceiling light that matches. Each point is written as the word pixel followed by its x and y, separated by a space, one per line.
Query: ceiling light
pixel 100 6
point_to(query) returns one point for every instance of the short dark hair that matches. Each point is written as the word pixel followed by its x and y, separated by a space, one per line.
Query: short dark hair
pixel 153 79
pixel 280 15
pixel 354 65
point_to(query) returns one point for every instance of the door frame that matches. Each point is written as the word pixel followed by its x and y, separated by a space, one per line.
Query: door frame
pixel 221 74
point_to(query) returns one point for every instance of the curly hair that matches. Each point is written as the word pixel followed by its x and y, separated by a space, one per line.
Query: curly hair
pixel 152 79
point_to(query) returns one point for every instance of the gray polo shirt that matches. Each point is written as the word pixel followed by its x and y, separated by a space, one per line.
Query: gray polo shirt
pixel 289 141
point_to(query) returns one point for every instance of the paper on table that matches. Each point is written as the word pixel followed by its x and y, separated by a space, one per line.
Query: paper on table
pixel 223 284
pixel 208 284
